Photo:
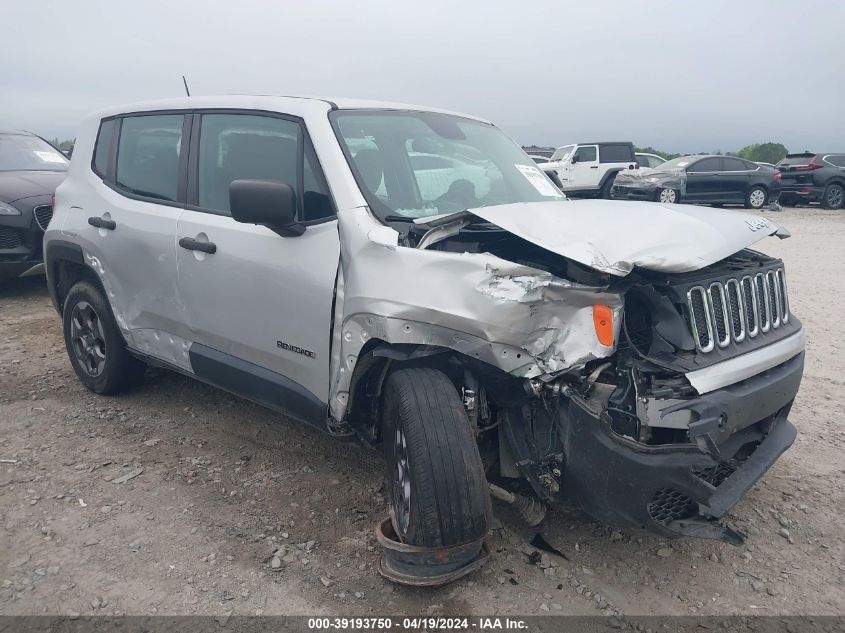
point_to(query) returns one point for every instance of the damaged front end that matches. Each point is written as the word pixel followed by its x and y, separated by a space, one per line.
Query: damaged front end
pixel 659 414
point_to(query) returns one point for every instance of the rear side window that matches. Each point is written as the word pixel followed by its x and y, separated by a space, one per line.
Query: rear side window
pixel 616 153
pixel 255 147
pixel 734 164
pixel 585 154
pixel 102 149
pixel 148 155
pixel 836 159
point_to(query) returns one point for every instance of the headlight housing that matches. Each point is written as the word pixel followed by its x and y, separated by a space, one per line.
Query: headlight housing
pixel 7 209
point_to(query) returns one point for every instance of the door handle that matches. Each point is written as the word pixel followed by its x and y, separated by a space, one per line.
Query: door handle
pixel 191 244
pixel 594 167
pixel 102 223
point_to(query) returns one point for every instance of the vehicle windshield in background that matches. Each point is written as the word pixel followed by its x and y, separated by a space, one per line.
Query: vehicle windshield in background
pixel 23 152
pixel 420 164
pixel 562 152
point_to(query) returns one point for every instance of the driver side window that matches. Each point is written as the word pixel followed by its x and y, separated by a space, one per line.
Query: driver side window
pixel 586 154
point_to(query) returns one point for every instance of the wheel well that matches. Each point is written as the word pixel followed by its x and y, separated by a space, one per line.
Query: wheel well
pixel 66 273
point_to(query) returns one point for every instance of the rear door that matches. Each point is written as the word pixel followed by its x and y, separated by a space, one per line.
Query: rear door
pixel 703 179
pixel 735 180
pixel 259 305
pixel 129 225
pixel 584 170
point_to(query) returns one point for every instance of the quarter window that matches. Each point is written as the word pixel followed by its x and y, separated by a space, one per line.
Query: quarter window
pixel 102 149
pixel 839 161
pixel 148 155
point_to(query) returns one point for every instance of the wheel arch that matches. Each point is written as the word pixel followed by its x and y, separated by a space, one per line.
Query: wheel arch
pixel 65 265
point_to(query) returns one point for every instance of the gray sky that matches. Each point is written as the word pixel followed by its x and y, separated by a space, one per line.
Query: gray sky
pixel 680 76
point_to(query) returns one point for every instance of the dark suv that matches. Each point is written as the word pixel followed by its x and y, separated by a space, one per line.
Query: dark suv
pixel 30 171
pixel 812 177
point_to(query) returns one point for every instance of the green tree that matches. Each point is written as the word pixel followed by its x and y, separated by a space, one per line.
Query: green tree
pixel 651 150
pixel 66 145
pixel 763 152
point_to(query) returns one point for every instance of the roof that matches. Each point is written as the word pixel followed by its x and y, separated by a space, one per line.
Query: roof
pixel 17 132
pixel 272 102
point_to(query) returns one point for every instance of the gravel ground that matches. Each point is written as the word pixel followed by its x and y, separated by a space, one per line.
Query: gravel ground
pixel 173 498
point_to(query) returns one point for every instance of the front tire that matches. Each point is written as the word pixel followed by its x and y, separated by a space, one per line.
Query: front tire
pixel 436 485
pixel 833 197
pixel 756 198
pixel 667 196
pixel 94 344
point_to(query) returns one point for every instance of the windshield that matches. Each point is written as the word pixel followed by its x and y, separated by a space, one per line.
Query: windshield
pixel 421 164
pixel 562 152
pixel 22 152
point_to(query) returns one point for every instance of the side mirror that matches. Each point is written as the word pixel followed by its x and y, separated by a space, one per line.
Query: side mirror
pixel 574 160
pixel 266 202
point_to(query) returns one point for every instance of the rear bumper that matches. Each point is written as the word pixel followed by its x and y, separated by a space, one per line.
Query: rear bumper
pixel 805 192
pixel 739 432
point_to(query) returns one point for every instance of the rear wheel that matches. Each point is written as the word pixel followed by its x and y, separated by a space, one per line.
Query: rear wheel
pixel 756 198
pixel 94 344
pixel 667 196
pixel 833 197
pixel 436 484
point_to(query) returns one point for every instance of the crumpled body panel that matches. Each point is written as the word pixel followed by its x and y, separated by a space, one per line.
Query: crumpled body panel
pixel 520 319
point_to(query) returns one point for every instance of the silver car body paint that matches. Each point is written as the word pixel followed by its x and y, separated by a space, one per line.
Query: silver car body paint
pixel 522 320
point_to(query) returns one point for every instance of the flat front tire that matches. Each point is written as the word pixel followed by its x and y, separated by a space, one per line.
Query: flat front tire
pixel 94 344
pixel 436 485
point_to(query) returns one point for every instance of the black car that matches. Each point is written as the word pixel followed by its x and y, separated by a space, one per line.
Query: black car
pixel 30 171
pixel 812 177
pixel 702 179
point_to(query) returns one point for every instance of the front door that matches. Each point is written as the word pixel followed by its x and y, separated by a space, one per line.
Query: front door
pixel 584 172
pixel 703 179
pixel 259 305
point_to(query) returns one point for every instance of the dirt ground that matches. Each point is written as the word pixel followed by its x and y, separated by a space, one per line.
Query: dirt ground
pixel 225 483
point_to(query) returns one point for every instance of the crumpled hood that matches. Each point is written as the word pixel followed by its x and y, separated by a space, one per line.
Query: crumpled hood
pixel 15 185
pixel 615 236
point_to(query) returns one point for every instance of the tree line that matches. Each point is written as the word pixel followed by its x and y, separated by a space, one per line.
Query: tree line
pixel 757 152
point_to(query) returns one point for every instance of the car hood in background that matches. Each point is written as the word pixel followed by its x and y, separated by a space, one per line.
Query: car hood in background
pixel 615 236
pixel 15 185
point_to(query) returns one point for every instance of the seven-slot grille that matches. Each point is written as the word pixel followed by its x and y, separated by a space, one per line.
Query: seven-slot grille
pixel 43 215
pixel 737 309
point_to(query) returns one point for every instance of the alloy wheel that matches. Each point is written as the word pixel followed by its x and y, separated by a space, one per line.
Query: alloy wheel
pixel 835 197
pixel 668 196
pixel 401 484
pixel 88 339
pixel 757 198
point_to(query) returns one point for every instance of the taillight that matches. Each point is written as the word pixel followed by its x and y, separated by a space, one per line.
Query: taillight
pixel 778 175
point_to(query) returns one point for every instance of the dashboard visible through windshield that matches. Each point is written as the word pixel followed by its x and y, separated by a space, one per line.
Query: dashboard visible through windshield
pixel 420 164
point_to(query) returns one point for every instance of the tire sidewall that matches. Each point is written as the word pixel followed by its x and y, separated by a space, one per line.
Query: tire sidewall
pixel 114 353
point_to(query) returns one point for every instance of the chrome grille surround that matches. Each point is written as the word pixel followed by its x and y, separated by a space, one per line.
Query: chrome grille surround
pixel 737 308
pixel 43 214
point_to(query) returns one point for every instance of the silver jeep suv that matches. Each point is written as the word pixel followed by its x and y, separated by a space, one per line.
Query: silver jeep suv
pixel 409 277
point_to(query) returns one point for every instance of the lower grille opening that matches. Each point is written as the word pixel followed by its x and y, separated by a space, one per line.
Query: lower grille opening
pixel 714 475
pixel 9 238
pixel 43 215
pixel 669 505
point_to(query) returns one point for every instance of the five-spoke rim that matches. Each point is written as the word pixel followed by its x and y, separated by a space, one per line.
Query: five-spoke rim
pixel 88 339
pixel 402 483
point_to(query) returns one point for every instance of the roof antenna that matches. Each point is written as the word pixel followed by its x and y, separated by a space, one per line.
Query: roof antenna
pixel 185 81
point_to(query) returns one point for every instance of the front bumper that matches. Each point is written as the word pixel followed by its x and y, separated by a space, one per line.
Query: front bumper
pixel 618 192
pixel 740 431
pixel 20 244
